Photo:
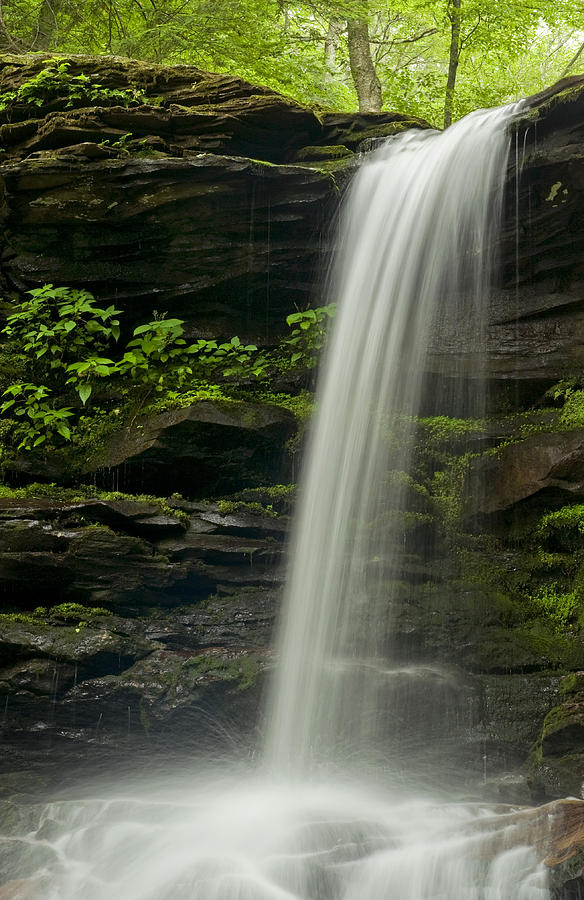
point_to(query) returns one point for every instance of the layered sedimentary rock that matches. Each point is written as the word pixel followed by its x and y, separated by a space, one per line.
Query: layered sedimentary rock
pixel 186 203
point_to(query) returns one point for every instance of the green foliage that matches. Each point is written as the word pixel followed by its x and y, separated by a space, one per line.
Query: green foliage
pixel 559 607
pixel 36 420
pixel 302 49
pixel 309 331
pixel 231 507
pixel 56 81
pixel 572 415
pixel 61 322
pixel 61 336
pixel 565 523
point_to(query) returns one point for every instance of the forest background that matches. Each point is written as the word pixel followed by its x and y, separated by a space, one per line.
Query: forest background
pixel 438 59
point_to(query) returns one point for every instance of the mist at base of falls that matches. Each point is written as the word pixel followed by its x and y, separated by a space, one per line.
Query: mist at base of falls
pixel 325 815
pixel 249 836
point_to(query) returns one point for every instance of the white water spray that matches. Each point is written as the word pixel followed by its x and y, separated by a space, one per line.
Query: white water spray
pixel 420 227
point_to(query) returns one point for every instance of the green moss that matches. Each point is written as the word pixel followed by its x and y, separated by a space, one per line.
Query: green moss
pixel 278 497
pixel 82 492
pixel 243 669
pixel 231 507
pixel 570 94
pixel 182 399
pixel 557 606
pixel 572 684
pixel 75 611
pixel 561 717
pixel 67 612
pixel 568 519
pixel 443 429
pixel 317 153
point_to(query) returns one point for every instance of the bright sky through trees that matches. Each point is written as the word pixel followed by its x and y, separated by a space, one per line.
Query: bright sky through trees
pixel 435 58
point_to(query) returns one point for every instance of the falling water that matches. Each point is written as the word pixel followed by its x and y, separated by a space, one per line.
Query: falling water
pixel 416 256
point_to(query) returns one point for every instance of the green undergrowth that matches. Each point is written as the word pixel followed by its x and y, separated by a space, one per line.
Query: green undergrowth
pixel 58 494
pixel 232 507
pixel 66 386
pixel 279 498
pixel 56 81
pixel 62 612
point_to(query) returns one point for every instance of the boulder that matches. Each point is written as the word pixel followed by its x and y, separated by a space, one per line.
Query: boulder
pixel 210 448
pixel 521 470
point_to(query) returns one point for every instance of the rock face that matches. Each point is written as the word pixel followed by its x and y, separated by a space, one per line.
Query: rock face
pixel 186 203
pixel 210 448
pixel 536 320
pixel 157 619
pixel 522 470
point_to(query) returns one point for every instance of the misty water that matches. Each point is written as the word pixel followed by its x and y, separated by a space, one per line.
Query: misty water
pixel 325 811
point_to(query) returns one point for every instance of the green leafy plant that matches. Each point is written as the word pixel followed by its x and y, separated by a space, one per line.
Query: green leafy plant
pixel 308 334
pixel 36 419
pixel 61 323
pixel 56 81
pixel 65 344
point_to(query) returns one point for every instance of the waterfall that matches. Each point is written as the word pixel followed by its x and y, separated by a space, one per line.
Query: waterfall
pixel 416 257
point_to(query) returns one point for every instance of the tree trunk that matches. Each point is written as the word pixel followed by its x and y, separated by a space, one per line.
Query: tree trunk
pixel 363 71
pixel 453 59
pixel 46 26
pixel 331 45
pixel 8 43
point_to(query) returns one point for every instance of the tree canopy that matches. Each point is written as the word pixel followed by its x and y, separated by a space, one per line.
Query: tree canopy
pixel 434 58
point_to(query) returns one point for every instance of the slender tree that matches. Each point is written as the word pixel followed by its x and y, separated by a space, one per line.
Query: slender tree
pixel 46 26
pixel 365 77
pixel 454 14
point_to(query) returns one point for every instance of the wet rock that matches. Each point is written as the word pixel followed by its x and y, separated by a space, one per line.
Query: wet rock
pixel 556 763
pixel 38 676
pixel 512 709
pixel 536 321
pixel 512 787
pixel 90 648
pixel 142 558
pixel 523 469
pixel 189 235
pixel 358 131
pixel 212 447
pixel 245 617
pixel 168 689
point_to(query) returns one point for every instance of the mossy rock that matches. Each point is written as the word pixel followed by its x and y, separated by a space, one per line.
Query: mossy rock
pixel 317 154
